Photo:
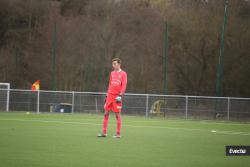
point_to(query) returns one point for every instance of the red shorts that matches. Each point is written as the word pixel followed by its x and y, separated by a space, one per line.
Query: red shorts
pixel 111 104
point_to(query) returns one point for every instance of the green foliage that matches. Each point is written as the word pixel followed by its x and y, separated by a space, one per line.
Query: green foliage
pixel 91 32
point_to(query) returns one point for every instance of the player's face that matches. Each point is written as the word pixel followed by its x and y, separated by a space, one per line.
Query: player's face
pixel 116 66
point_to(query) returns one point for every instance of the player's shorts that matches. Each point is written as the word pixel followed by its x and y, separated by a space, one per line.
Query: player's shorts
pixel 111 104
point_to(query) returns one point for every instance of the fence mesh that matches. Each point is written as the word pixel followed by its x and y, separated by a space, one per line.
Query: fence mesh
pixel 169 106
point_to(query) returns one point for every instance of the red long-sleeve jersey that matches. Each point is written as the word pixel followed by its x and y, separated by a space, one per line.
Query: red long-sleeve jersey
pixel 117 82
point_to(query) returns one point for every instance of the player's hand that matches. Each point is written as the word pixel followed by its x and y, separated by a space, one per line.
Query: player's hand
pixel 118 99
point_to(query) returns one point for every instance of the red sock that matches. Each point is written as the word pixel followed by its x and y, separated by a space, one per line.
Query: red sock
pixel 118 124
pixel 105 123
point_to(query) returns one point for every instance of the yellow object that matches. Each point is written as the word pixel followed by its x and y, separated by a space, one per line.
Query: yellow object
pixel 156 107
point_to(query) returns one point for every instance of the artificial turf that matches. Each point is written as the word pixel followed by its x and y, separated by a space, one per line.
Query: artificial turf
pixel 69 140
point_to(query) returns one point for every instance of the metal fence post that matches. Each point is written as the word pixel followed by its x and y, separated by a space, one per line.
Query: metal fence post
pixel 80 103
pixel 146 106
pixel 38 101
pixel 228 108
pixel 186 108
pixel 96 104
pixel 8 100
pixel 73 101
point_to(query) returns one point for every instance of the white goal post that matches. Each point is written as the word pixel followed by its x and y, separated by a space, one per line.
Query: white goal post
pixel 4 96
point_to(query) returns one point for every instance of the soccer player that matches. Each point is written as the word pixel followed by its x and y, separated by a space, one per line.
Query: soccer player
pixel 113 102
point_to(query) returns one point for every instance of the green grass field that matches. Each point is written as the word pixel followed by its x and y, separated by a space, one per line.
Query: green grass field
pixel 69 140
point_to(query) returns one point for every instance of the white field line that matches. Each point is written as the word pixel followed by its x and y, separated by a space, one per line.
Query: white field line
pixel 134 126
pixel 148 120
pixel 158 121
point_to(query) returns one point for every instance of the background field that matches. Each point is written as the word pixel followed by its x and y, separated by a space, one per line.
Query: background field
pixel 70 140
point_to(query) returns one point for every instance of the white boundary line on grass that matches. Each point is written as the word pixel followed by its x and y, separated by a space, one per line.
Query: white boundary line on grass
pixel 169 121
pixel 134 126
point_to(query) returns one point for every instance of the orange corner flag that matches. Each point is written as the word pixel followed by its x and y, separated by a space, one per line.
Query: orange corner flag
pixel 36 86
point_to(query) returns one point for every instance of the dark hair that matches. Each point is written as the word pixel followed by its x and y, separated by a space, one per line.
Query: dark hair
pixel 117 60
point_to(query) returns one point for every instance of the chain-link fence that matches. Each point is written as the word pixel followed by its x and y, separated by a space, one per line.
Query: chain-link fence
pixel 149 105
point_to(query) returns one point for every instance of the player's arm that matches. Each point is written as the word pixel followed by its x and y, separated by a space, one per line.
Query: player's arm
pixel 124 84
pixel 123 88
